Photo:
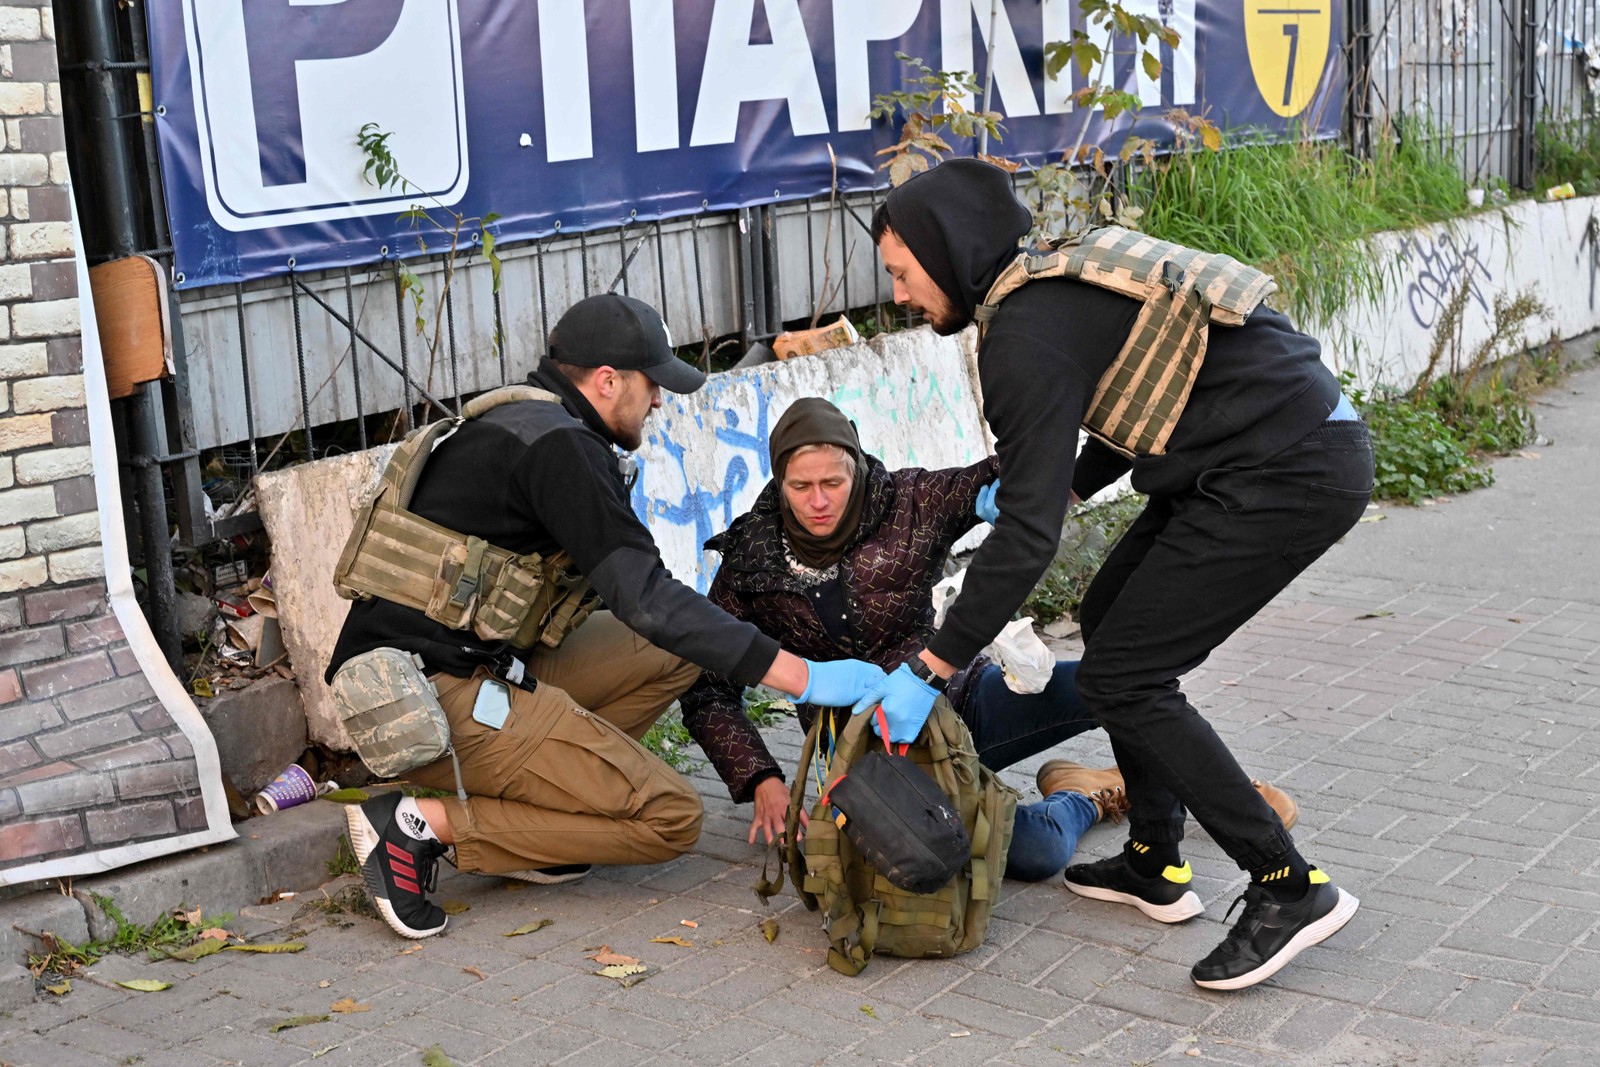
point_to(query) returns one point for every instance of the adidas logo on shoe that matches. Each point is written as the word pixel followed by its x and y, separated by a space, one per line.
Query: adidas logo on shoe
pixel 416 827
pixel 399 870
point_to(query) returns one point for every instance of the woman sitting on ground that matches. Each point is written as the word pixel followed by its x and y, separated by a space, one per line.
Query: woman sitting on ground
pixel 838 558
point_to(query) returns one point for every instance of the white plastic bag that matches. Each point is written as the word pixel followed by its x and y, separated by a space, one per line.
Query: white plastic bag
pixel 1027 663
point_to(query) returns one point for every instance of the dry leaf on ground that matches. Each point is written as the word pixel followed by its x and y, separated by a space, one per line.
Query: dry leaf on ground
pixel 769 929
pixel 537 924
pixel 348 1006
pixel 145 985
pixel 282 946
pixel 474 972
pixel 606 958
pixel 627 977
pixel 60 989
pixel 455 907
pixel 192 916
pixel 198 950
pixel 216 933
pixel 671 941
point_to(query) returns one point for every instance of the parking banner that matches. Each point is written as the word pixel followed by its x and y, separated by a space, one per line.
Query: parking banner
pixel 569 115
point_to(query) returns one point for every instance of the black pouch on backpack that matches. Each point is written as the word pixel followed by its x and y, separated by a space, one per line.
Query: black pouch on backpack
pixel 902 822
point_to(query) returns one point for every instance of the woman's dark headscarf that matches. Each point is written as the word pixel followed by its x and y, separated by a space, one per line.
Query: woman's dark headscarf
pixel 813 421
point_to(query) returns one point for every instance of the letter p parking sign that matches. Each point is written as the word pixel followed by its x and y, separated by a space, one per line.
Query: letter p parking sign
pixel 282 86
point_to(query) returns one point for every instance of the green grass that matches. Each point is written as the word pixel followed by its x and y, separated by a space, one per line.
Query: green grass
pixel 158 939
pixel 1303 210
pixel 1567 152
pixel 669 740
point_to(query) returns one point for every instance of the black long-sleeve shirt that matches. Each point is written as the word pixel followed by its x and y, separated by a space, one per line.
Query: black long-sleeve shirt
pixel 540 477
pixel 1261 388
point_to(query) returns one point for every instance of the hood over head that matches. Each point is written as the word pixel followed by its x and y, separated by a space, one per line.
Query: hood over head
pixel 963 223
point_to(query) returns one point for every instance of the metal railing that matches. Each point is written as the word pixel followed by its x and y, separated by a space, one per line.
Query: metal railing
pixel 308 364
pixel 1479 76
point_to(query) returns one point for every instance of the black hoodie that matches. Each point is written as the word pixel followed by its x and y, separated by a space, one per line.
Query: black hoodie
pixel 1262 387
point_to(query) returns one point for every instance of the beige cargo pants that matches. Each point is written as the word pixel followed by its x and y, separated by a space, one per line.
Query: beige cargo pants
pixel 566 781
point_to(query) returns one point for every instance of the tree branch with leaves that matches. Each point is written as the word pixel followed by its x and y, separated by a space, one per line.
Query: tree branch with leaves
pixel 382 170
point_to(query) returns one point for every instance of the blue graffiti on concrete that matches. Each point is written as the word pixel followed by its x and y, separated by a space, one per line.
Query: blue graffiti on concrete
pixel 709 509
pixel 746 406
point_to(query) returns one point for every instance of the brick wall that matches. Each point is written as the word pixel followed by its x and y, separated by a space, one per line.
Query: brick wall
pixel 89 757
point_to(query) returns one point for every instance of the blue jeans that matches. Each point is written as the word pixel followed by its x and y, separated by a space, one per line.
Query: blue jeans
pixel 1008 727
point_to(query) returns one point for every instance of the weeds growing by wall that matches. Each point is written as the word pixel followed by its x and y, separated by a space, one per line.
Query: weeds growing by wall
pixel 1303 211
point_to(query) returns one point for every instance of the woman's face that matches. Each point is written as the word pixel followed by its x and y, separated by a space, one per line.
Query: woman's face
pixel 817 487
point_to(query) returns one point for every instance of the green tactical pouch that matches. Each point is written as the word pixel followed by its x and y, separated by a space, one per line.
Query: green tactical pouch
pixel 391 711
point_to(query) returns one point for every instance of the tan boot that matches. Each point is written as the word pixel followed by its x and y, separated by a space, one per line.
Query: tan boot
pixel 1280 802
pixel 1104 787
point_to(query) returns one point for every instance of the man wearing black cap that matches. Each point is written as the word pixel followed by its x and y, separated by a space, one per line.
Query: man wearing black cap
pixel 1266 466
pixel 548 743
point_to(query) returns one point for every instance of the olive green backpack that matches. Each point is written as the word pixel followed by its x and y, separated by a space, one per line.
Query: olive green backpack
pixel 863 912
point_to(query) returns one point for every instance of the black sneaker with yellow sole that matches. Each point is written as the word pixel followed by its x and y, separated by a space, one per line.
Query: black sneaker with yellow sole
pixel 1270 933
pixel 1165 898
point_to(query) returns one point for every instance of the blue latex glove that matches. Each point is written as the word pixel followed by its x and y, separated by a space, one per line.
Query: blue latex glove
pixel 986 508
pixel 906 701
pixel 840 683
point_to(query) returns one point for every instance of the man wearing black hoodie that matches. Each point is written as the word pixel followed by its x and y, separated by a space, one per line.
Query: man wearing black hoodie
pixel 1267 467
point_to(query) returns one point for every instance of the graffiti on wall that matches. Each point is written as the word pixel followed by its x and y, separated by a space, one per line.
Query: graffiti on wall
pixel 1442 265
pixel 705 457
pixel 701 507
pixel 1591 241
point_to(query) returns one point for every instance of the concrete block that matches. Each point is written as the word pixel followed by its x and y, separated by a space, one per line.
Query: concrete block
pixel 47 911
pixel 37 240
pixel 320 496
pixel 259 730
pixel 16 987
pixel 52 465
pixel 52 392
pixel 73 531
pixel 23 574
pixel 288 850
pixel 24 431
pixel 77 564
pixel 20 361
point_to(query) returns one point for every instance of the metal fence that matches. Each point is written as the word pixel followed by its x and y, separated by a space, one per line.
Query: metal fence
pixel 310 353
pixel 309 365
pixel 1481 76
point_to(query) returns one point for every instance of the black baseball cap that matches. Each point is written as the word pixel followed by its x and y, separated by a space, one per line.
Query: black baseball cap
pixel 618 331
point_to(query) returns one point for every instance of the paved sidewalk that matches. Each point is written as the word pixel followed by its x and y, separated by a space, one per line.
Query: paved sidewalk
pixel 1438 731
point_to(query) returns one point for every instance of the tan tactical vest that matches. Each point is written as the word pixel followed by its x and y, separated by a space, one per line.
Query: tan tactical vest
pixel 462 582
pixel 1140 397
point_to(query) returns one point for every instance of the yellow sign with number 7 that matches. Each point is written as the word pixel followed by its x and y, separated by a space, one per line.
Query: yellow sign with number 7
pixel 1288 45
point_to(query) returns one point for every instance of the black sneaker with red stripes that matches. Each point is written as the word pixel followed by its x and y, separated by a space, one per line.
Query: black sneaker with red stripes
pixel 399 870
